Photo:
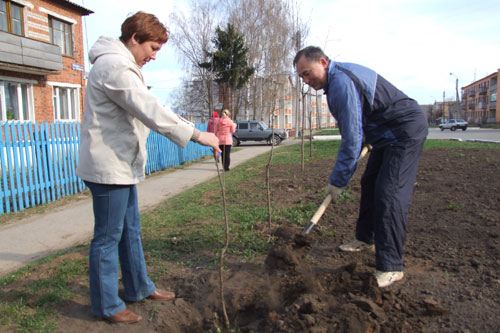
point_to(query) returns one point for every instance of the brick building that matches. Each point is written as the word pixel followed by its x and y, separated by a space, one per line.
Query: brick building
pixel 41 60
pixel 479 100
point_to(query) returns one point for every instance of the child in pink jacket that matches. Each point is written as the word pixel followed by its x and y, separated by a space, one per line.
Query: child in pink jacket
pixel 224 128
pixel 211 122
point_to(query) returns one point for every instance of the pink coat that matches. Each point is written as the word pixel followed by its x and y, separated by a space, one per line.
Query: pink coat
pixel 223 129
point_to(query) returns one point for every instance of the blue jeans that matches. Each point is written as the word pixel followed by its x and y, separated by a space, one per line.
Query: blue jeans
pixel 116 236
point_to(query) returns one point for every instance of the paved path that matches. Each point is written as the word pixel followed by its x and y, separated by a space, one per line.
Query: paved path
pixel 39 235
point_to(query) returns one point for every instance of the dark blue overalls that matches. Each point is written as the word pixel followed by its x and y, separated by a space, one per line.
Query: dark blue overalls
pixel 370 110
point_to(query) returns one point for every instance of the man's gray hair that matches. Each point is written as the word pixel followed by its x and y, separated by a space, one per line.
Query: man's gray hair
pixel 312 53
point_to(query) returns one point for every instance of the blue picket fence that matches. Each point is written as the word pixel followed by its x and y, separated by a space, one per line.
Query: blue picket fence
pixel 163 153
pixel 38 161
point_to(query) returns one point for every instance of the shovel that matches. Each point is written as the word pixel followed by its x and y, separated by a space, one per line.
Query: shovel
pixel 321 209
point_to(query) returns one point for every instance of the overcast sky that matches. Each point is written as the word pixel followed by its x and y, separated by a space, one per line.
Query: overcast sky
pixel 415 44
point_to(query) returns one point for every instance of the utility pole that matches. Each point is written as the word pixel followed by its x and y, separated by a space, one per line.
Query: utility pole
pixel 443 105
pixel 457 97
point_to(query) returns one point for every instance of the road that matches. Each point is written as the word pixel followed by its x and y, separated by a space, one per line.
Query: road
pixel 472 133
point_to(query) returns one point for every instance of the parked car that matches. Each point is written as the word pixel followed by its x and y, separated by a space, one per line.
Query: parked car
pixel 453 124
pixel 255 130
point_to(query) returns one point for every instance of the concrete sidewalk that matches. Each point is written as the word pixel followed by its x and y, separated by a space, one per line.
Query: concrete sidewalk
pixel 39 235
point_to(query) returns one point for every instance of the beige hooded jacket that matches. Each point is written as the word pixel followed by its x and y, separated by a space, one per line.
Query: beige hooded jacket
pixel 119 111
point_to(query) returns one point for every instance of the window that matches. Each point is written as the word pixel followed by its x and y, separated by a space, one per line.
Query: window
pixel 256 127
pixel 15 101
pixel 66 103
pixel 60 34
pixel 11 17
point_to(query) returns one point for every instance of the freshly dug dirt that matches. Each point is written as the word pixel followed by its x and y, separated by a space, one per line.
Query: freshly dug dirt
pixel 304 284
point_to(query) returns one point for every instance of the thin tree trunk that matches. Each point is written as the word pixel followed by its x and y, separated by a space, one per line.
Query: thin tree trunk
pixel 224 249
pixel 303 128
pixel 311 125
pixel 268 173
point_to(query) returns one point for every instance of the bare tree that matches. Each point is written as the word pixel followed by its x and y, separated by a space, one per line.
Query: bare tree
pixel 246 17
pixel 190 98
pixel 301 31
pixel 268 29
pixel 304 95
pixel 192 36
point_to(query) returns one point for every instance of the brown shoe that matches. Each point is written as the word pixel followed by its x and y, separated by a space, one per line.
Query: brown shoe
pixel 161 295
pixel 125 316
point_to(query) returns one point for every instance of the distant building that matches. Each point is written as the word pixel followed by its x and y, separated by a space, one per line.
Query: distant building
pixel 41 60
pixel 479 100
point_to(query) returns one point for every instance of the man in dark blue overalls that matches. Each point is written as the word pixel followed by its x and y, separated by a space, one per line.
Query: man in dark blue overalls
pixel 370 110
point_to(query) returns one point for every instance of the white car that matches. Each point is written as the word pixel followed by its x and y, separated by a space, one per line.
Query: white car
pixel 453 124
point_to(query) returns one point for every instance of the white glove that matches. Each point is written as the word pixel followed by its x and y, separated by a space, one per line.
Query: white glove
pixel 334 191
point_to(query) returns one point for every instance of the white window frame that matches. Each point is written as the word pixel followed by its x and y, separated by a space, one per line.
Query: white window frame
pixel 73 103
pixel 29 97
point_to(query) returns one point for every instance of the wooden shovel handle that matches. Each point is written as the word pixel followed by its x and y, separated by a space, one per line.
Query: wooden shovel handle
pixel 321 209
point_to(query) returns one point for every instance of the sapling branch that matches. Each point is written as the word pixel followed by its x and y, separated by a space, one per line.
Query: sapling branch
pixel 226 244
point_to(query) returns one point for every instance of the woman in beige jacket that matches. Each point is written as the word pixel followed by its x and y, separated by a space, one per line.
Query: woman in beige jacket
pixel 119 111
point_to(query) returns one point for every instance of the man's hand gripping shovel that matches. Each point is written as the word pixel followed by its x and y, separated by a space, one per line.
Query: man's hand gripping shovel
pixel 321 209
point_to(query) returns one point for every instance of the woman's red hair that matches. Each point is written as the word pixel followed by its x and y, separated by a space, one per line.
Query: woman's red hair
pixel 146 27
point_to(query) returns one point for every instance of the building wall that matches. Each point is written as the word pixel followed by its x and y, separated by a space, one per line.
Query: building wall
pixel 36 26
pixel 321 117
pixel 479 100
pixel 288 113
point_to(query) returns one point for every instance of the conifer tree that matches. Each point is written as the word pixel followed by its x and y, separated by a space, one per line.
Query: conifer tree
pixel 229 62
